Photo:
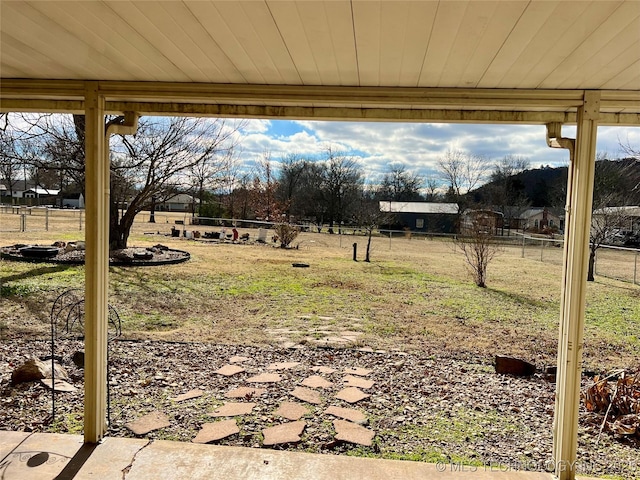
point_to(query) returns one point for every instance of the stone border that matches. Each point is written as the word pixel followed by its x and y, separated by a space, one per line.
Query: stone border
pixel 5 254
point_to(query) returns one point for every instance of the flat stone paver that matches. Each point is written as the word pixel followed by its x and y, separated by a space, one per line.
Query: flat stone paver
pixel 350 414
pixel 307 395
pixel 60 385
pixel 351 381
pixel 351 394
pixel 350 333
pixel 265 378
pixel 323 369
pixel 282 365
pixel 286 433
pixel 316 381
pixel 148 423
pixel 188 395
pixel 352 433
pixel 291 410
pixel 231 409
pixel 245 392
pixel 211 432
pixel 229 370
pixel 361 372
pixel 238 359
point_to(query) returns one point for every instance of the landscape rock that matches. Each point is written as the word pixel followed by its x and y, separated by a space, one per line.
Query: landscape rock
pixel 33 370
pixel 78 358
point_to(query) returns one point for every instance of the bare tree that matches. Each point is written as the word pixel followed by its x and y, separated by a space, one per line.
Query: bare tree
pixel 155 163
pixel 263 191
pixel 476 243
pixel 342 186
pixel 462 171
pixel 606 222
pixel 10 162
pixel 431 186
pixel 401 185
pixel 507 192
pixel 369 217
pixel 159 160
pixel 631 150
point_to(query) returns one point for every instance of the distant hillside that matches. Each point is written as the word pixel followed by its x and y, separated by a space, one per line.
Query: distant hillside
pixel 546 187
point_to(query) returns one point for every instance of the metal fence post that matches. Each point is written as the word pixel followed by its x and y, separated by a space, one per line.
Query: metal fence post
pixel 541 250
pixel 23 222
pixel 46 218
pixel 523 240
pixel 80 225
pixel 635 268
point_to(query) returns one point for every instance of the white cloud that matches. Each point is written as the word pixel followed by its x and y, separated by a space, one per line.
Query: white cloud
pixel 417 146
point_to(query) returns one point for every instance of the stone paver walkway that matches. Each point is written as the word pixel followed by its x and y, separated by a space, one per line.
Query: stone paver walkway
pixel 320 390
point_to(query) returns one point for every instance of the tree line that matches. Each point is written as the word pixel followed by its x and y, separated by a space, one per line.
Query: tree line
pixel 202 157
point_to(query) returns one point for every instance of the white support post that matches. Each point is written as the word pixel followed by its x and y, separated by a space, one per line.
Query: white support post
pixel 96 267
pixel 574 282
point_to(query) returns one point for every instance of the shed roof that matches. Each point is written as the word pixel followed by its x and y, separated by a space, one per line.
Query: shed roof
pixel 419 207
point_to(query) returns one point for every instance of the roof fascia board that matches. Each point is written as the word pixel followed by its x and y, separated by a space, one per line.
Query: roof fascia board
pixel 317 113
pixel 318 102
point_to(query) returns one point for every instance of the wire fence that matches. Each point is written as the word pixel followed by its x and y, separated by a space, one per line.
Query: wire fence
pixel 619 263
pixel 34 219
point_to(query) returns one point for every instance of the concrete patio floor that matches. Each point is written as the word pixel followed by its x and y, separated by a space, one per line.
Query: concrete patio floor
pixel 44 456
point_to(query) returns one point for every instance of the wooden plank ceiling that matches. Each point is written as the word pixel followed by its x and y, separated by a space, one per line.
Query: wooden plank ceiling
pixel 475 44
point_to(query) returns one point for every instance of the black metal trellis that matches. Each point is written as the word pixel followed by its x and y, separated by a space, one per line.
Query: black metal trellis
pixel 67 322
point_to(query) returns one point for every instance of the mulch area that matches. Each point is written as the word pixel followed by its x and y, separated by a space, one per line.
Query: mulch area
pixel 418 405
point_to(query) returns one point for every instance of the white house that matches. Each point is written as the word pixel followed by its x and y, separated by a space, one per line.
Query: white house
pixel 181 202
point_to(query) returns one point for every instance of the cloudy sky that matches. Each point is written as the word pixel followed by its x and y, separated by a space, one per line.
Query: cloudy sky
pixel 415 145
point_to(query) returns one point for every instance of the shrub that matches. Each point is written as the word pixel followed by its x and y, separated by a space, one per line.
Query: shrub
pixel 286 233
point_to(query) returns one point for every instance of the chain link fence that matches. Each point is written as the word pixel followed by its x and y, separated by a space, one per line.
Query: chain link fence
pixel 619 263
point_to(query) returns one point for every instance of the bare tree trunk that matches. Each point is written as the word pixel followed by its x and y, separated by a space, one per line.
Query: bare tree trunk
pixel 366 257
pixel 592 264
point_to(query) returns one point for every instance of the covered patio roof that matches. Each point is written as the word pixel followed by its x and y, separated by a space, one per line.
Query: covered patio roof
pixel 536 62
pixel 475 61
